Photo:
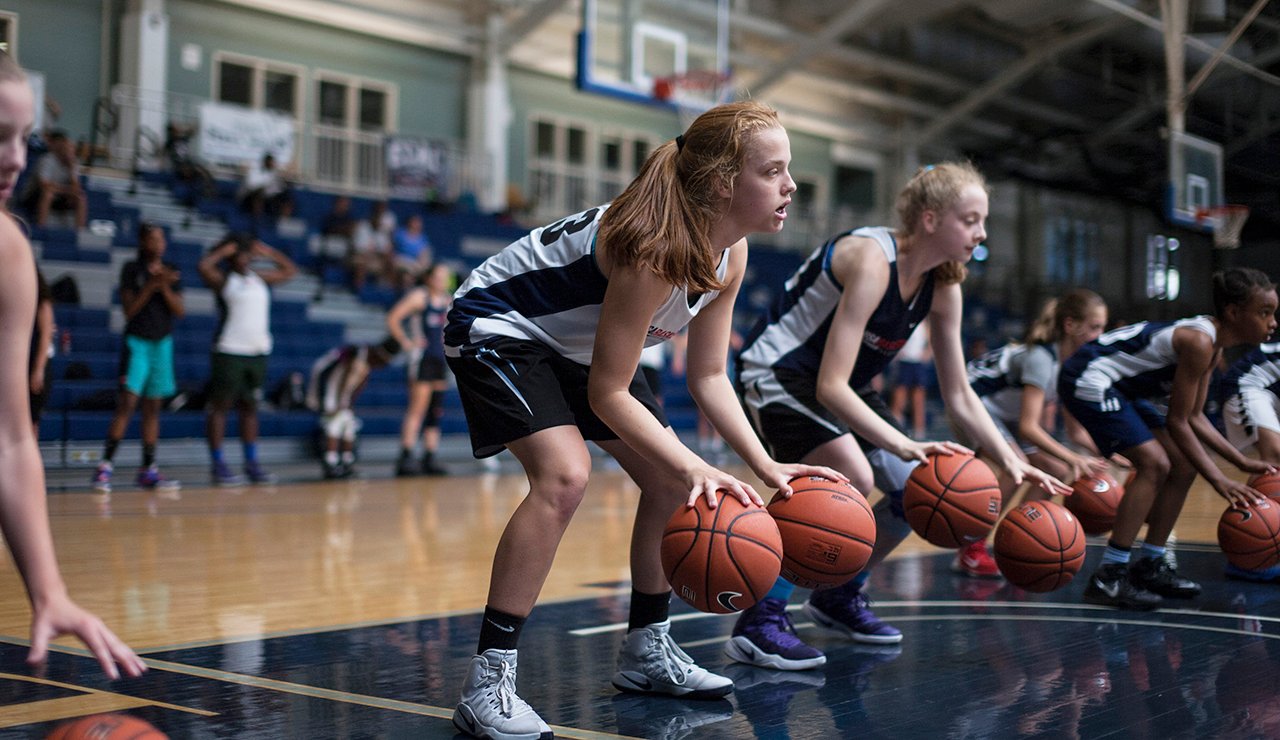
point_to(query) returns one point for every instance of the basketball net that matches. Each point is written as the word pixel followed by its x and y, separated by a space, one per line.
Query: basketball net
pixel 693 92
pixel 1227 223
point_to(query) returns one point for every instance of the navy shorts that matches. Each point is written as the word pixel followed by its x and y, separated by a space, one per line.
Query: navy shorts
pixel 1118 423
pixel 511 388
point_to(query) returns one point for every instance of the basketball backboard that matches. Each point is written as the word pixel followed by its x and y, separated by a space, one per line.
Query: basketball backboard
pixel 1195 179
pixel 626 45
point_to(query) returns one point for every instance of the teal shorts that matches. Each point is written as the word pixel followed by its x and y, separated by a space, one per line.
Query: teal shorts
pixel 146 367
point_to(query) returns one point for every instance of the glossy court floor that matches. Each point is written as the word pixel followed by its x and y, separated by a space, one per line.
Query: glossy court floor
pixel 349 610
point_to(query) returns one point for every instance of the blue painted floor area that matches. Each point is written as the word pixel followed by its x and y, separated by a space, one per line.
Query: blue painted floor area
pixel 978 660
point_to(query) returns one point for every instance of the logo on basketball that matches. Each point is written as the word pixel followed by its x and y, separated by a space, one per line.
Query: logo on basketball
pixel 725 599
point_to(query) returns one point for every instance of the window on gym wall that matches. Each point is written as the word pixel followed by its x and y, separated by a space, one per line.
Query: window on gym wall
pixel 574 165
pixel 9 33
pixel 353 116
pixel 262 84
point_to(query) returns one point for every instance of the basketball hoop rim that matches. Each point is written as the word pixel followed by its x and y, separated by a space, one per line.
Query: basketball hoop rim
pixel 1226 221
pixel 665 87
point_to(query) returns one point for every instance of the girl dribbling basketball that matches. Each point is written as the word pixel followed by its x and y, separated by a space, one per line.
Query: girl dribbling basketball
pixel 1118 387
pixel 805 377
pixel 545 339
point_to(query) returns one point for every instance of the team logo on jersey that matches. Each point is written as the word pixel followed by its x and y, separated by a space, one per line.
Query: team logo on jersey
pixel 881 344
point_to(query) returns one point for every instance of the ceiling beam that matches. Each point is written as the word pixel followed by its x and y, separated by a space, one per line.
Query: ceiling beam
pixel 529 22
pixel 349 17
pixel 1015 74
pixel 807 48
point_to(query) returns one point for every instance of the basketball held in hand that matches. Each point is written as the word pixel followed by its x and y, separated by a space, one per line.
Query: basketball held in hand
pixel 1039 546
pixel 952 500
pixel 1094 500
pixel 721 560
pixel 828 532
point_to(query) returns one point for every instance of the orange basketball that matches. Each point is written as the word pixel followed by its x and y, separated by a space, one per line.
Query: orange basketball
pixel 107 727
pixel 1094 500
pixel 1250 537
pixel 827 529
pixel 952 500
pixel 721 560
pixel 1268 484
pixel 1039 546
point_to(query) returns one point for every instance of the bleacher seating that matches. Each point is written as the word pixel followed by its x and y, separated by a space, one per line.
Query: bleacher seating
pixel 80 408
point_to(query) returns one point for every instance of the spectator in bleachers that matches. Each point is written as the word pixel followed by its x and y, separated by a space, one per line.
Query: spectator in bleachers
pixel 241 346
pixel 411 252
pixel 56 184
pixel 151 297
pixel 186 168
pixel 41 350
pixel 336 380
pixel 371 246
pixel 24 517
pixel 264 189
pixel 336 232
pixel 426 306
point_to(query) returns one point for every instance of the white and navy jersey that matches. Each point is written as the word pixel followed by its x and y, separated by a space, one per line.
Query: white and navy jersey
pixel 789 340
pixel 547 287
pixel 999 376
pixel 1137 361
pixel 1257 370
pixel 433 320
pixel 337 377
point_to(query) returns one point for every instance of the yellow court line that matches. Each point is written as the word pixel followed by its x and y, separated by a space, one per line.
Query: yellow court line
pixel 109 701
pixel 345 697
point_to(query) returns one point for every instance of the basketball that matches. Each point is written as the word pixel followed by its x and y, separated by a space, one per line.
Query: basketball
pixel 721 560
pixel 1268 484
pixel 827 530
pixel 1250 537
pixel 107 727
pixel 1039 546
pixel 1094 500
pixel 952 500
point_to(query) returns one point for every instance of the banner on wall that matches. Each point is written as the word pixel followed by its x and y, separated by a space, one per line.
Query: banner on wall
pixel 233 135
pixel 417 168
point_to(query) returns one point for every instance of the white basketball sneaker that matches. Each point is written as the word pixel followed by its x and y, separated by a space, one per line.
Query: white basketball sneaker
pixel 490 707
pixel 650 662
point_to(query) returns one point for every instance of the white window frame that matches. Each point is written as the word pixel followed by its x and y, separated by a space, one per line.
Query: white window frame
pixel 12 17
pixel 260 67
pixel 590 171
pixel 365 173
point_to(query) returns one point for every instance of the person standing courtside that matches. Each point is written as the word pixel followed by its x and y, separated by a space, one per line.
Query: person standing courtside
pixel 24 517
pixel 150 295
pixel 241 346
pixel 430 302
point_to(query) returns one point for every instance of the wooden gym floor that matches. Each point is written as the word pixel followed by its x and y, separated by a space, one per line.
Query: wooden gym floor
pixel 349 610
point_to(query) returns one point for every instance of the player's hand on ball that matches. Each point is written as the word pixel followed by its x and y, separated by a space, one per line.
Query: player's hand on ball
pixel 780 475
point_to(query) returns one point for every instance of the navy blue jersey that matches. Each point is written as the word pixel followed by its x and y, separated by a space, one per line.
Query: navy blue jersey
pixel 433 323
pixel 1137 361
pixel 1259 369
pixel 791 337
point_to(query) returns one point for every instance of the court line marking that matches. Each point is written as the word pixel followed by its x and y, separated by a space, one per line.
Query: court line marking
pixel 75 706
pixel 313 692
pixel 1023 618
pixel 622 626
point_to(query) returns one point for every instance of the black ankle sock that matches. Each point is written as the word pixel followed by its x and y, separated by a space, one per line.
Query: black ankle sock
pixel 648 609
pixel 109 449
pixel 148 455
pixel 499 630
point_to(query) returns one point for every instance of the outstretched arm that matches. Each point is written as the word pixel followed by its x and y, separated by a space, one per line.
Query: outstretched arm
pixel 24 517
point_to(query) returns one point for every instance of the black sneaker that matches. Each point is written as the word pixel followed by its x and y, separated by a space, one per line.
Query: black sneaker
pixel 407 466
pixel 1158 577
pixel 1110 586
pixel 430 467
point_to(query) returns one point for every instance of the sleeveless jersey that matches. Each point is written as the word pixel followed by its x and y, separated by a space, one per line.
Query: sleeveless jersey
pixel 548 288
pixel 244 316
pixel 999 376
pixel 1259 369
pixel 791 337
pixel 1137 361
pixel 434 318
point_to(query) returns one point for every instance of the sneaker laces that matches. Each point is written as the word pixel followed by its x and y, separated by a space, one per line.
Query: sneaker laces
pixel 777 625
pixel 504 689
pixel 673 659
